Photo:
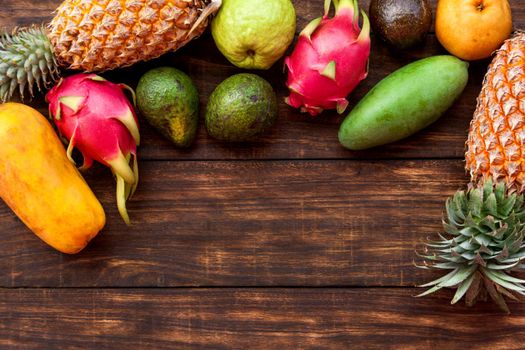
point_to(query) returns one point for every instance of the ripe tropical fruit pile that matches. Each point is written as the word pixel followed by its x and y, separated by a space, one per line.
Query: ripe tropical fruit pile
pixel 483 241
pixel 91 113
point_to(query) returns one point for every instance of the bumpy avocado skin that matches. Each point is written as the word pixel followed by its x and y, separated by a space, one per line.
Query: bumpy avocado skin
pixel 402 24
pixel 241 108
pixel 169 101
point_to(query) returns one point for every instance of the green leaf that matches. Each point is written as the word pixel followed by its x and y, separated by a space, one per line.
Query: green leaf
pixel 445 266
pixel 468 256
pixel 488 189
pixel 505 277
pixel 461 275
pixel 460 204
pixel 500 192
pixel 520 216
pixel 519 202
pixel 443 238
pixel 495 266
pixel 450 228
pixel 468 246
pixel 451 213
pixel 459 239
pixel 475 202
pixel 517 244
pixel 482 240
pixel 511 238
pixel 469 221
pixel 442 279
pixel 451 251
pixel 429 291
pixel 503 254
pixel 500 232
pixel 437 246
pixel 463 288
pixel 428 257
pixel 488 222
pixel 507 205
pixel 455 259
pixel 509 285
pixel 483 249
pixel 469 231
pixel 491 205
pixel 515 258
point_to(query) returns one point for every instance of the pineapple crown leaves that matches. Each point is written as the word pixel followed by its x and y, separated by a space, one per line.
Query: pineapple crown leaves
pixel 26 60
pixel 482 244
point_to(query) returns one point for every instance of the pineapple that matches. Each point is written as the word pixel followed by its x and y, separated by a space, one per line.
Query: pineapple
pixel 485 226
pixel 98 35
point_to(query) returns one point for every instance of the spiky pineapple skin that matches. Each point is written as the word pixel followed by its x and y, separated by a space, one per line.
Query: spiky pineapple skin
pixel 97 35
pixel 495 145
pixel 101 35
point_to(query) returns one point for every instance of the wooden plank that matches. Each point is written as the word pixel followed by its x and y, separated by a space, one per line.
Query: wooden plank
pixel 295 135
pixel 287 223
pixel 250 319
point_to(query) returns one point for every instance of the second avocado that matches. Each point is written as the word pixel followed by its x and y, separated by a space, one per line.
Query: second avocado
pixel 241 108
pixel 169 101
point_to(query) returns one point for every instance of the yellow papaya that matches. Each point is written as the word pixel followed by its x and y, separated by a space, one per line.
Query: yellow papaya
pixel 41 185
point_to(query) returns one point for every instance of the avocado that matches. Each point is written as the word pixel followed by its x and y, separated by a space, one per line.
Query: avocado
pixel 169 101
pixel 241 108
pixel 402 24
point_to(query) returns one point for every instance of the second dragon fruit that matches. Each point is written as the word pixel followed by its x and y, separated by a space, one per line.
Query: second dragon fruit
pixel 329 60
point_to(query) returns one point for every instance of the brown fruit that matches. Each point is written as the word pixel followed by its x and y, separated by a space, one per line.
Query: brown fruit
pixel 401 23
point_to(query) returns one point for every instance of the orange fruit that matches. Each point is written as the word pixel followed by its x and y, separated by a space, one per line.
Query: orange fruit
pixel 473 29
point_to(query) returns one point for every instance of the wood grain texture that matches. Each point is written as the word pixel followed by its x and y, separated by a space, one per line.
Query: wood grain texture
pixel 293 209
pixel 285 223
pixel 250 319
pixel 295 135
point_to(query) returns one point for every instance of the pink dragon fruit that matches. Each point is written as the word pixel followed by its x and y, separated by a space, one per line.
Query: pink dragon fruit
pixel 329 60
pixel 97 118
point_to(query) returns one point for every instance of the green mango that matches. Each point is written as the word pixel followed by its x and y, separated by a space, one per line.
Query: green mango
pixel 405 102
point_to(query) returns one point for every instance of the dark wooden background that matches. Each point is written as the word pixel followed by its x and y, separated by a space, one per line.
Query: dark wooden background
pixel 289 242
